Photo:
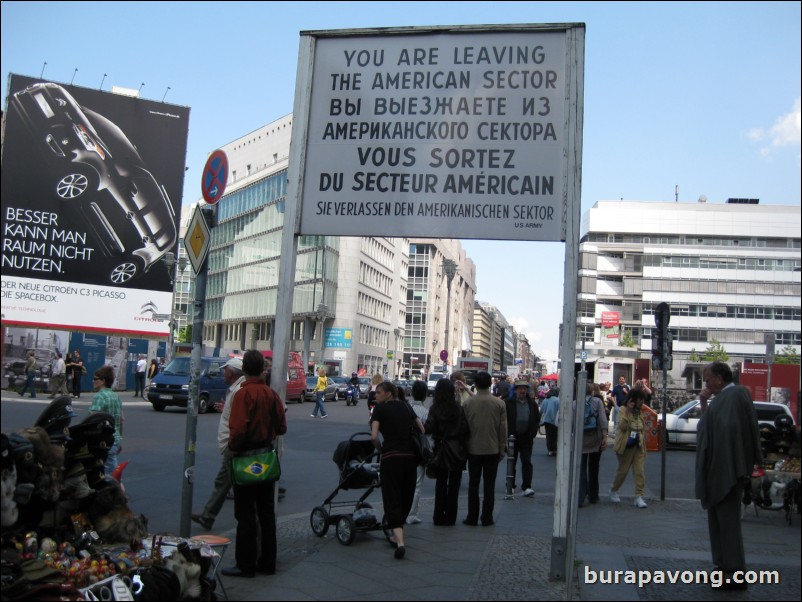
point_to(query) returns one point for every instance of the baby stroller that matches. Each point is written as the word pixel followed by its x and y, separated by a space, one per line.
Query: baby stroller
pixel 354 459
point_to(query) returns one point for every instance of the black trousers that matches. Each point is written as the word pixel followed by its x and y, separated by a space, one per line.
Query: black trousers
pixel 446 496
pixel 255 511
pixel 399 475
pixel 551 437
pixel 589 477
pixel 482 468
pixel 726 539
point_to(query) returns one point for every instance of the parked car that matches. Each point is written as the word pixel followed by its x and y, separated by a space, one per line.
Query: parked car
pixel 93 167
pixel 170 387
pixel 681 424
pixel 405 385
pixel 364 386
pixel 14 367
pixel 342 385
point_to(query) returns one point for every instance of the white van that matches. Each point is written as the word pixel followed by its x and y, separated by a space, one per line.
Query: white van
pixel 431 382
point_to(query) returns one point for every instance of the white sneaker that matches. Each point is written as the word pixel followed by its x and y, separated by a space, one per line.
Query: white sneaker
pixel 640 503
pixel 614 497
pixel 413 520
pixel 529 492
pixel 312 416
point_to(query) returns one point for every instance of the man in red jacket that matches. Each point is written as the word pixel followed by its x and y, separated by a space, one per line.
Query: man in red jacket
pixel 257 417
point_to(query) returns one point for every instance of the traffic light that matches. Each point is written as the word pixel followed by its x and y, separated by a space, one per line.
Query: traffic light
pixel 662 343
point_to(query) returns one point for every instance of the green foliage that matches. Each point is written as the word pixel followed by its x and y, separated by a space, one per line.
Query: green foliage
pixel 626 340
pixel 787 356
pixel 716 353
pixel 694 356
pixel 185 334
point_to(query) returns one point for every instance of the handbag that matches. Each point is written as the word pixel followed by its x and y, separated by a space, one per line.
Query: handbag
pixel 255 466
pixel 633 440
pixel 422 446
pixel 258 465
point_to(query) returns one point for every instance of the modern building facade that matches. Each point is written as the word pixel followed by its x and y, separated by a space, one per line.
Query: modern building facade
pixel 730 273
pixel 493 336
pixel 439 314
pixel 352 295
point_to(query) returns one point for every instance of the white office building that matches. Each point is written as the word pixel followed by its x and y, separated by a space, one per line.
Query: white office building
pixel 730 273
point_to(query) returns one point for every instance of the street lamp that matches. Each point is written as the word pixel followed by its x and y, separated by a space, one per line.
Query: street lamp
pixel 171 264
pixel 450 268
pixel 397 333
pixel 322 316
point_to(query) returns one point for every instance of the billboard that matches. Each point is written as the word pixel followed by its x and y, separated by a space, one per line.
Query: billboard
pixel 463 132
pixel 91 188
pixel 784 387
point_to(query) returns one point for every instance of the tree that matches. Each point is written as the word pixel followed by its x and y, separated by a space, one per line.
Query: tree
pixel 716 352
pixel 787 356
pixel 185 334
pixel 694 356
pixel 626 339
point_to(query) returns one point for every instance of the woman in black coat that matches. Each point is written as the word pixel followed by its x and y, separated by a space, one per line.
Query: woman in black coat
pixel 448 427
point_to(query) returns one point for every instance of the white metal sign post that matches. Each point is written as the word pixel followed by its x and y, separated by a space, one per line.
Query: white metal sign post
pixel 442 132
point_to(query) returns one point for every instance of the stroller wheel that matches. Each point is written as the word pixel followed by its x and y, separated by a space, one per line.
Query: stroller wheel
pixel 319 521
pixel 346 530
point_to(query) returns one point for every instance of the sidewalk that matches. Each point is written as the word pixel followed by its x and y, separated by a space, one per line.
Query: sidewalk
pixel 511 560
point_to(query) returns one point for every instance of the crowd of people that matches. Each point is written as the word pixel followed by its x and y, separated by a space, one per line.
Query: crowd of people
pixel 473 428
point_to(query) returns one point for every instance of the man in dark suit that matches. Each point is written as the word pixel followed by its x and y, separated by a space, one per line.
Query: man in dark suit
pixel 523 421
pixel 728 447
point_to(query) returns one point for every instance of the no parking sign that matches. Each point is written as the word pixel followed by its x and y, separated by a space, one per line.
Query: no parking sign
pixel 215 175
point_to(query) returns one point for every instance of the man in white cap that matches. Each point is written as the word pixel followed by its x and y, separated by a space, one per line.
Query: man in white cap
pixel 232 372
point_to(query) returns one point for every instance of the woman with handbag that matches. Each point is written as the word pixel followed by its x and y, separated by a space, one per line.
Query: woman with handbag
pixel 594 442
pixel 629 446
pixel 448 427
pixel 395 421
pixel 257 417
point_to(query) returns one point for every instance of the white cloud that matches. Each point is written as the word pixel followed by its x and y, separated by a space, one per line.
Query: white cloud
pixel 786 131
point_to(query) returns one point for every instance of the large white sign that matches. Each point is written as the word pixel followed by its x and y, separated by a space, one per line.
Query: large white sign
pixel 85 307
pixel 456 134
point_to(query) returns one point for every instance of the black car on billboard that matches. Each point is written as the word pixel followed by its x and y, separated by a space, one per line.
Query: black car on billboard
pixel 93 165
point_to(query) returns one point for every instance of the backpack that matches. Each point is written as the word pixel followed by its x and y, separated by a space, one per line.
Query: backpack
pixel 591 414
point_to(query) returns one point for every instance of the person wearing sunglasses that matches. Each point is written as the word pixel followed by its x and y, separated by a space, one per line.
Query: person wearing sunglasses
pixel 106 400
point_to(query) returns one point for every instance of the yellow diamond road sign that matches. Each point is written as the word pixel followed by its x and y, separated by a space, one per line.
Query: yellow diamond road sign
pixel 196 240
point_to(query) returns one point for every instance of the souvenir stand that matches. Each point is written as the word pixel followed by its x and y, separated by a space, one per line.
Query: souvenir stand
pixel 775 486
pixel 67 530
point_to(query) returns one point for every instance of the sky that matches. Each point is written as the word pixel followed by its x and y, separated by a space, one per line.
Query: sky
pixel 699 97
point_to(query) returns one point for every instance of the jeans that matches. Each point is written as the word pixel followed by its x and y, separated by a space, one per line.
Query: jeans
pixel 139 386
pixel 484 468
pixel 29 378
pixel 319 405
pixel 111 460
pixel 523 449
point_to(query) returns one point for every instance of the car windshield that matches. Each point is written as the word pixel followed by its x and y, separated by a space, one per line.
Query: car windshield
pixel 436 376
pixel 311 381
pixel 685 408
pixel 179 365
pixel 364 381
pixel 340 380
